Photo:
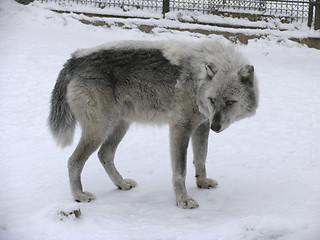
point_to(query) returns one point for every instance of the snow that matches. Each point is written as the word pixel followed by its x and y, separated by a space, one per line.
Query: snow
pixel 267 166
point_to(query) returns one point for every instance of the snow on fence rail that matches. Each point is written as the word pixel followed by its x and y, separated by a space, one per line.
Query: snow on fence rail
pixel 289 10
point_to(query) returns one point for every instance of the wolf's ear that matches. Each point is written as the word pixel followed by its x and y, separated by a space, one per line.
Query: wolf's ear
pixel 246 74
pixel 211 69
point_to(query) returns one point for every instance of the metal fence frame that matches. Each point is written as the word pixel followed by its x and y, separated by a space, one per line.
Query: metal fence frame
pixel 287 10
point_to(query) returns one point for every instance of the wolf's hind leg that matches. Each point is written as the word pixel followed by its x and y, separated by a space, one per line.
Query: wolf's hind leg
pixel 86 146
pixel 107 152
pixel 96 116
pixel 200 146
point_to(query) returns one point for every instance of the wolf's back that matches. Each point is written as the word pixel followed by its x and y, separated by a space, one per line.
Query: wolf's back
pixel 61 120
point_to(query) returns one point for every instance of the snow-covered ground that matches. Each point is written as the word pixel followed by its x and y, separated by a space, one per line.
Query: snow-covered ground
pixel 268 166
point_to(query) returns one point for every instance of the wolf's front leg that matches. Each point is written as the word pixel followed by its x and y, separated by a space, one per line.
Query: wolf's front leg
pixel 200 146
pixel 179 139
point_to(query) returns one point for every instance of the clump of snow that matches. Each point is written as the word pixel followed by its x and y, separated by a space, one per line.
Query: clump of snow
pixel 267 166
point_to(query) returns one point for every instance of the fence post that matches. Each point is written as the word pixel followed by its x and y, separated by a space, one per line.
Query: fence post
pixel 165 7
pixel 317 15
pixel 310 13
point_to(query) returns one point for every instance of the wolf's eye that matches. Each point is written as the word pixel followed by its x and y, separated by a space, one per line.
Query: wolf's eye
pixel 230 103
pixel 212 100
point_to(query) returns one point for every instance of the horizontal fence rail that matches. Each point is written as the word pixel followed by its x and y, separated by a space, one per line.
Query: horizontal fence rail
pixel 289 10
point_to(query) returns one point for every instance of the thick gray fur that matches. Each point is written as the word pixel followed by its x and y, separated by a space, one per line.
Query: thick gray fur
pixel 191 86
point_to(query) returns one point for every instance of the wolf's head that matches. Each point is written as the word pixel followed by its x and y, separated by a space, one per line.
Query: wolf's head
pixel 227 95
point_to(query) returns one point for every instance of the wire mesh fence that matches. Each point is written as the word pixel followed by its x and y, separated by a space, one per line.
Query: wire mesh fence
pixel 292 10
pixel 139 4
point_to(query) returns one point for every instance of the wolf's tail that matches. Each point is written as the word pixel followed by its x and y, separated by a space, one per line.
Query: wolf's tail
pixel 61 120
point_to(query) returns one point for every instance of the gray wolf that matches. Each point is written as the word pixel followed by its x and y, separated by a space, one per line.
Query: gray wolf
pixel 191 86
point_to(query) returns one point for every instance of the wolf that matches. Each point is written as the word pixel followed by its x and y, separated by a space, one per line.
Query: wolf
pixel 193 87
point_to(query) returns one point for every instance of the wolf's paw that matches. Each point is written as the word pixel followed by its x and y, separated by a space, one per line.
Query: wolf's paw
pixel 187 203
pixel 207 183
pixel 127 184
pixel 84 197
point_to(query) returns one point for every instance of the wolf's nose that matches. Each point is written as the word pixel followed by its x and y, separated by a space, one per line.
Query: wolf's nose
pixel 216 127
